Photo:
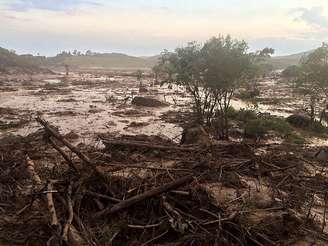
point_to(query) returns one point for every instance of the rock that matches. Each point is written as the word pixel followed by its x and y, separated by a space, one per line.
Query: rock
pixel 148 102
pixel 322 155
pixel 300 121
pixel 142 89
pixel 138 124
pixel 195 135
pixel 72 135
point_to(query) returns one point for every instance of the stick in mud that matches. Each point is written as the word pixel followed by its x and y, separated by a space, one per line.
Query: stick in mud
pixel 55 134
pixel 52 210
pixel 138 198
pixel 31 170
pixel 146 145
pixel 64 155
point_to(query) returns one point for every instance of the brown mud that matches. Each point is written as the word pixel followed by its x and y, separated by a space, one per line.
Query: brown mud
pixel 106 172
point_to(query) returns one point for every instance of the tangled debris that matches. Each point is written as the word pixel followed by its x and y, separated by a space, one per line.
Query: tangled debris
pixel 149 191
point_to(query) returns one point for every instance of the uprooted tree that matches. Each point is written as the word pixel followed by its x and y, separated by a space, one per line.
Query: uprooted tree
pixel 212 73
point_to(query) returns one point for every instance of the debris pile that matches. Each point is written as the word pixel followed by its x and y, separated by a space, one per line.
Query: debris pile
pixel 145 190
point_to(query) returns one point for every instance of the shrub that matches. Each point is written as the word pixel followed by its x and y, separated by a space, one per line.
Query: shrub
pixel 295 138
pixel 245 115
pixel 260 126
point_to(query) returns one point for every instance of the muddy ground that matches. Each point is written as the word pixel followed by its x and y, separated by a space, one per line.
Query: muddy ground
pixel 103 171
pixel 89 104
pixel 86 104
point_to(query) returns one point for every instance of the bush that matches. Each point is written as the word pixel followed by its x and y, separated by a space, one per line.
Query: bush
pixel 232 113
pixel 261 126
pixel 256 128
pixel 245 115
pixel 295 138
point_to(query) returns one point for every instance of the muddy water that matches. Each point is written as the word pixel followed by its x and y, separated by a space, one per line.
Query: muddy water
pixel 80 106
pixel 79 103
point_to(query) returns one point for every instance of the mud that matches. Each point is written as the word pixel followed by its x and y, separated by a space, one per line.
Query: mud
pixel 94 103
pixel 86 103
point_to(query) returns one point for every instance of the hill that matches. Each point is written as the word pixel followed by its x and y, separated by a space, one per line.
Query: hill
pixel 281 62
pixel 103 61
pixel 11 63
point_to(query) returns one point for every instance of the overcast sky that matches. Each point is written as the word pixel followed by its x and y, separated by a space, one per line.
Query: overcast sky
pixel 146 27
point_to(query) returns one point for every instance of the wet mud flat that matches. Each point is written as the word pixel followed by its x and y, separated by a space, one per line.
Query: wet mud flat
pixel 94 103
pixel 87 104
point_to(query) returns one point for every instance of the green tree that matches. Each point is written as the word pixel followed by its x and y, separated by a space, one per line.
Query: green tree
pixel 211 73
pixel 313 82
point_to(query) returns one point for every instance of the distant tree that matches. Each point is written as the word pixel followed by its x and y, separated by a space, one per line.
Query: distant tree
pixel 139 75
pixel 313 82
pixel 64 54
pixel 156 71
pixel 67 69
pixel 88 53
pixel 211 74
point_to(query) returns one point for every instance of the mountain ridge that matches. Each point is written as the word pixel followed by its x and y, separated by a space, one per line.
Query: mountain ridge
pixel 114 60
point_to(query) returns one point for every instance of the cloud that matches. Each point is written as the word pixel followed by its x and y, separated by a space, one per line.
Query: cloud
pixel 313 16
pixel 51 5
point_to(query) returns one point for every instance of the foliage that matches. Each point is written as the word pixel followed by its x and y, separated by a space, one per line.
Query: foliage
pixel 139 75
pixel 295 138
pixel 244 115
pixel 312 82
pixel 211 73
pixel 262 125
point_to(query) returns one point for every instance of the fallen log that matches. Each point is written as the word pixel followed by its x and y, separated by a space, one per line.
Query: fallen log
pixel 138 198
pixel 64 155
pixel 146 167
pixel 56 135
pixel 52 210
pixel 139 144
pixel 69 221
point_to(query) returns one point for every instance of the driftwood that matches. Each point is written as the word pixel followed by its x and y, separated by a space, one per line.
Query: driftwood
pixel 56 135
pixel 139 144
pixel 150 168
pixel 68 224
pixel 52 210
pixel 31 170
pixel 154 192
pixel 224 205
pixel 64 155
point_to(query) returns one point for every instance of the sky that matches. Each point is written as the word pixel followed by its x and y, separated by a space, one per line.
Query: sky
pixel 147 27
